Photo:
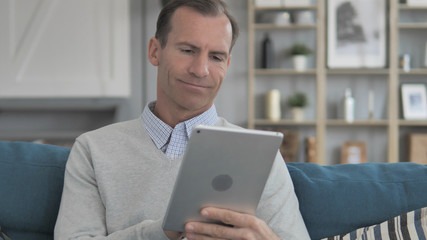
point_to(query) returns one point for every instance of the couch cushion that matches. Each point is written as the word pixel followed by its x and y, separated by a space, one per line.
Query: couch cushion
pixel 341 198
pixel 32 177
pixel 411 225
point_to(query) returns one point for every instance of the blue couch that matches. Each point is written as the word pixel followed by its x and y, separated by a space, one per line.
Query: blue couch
pixel 333 199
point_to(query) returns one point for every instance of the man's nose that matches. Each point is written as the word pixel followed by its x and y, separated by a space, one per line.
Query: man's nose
pixel 200 66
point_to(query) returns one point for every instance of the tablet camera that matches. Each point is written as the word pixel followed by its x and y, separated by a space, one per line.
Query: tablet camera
pixel 222 182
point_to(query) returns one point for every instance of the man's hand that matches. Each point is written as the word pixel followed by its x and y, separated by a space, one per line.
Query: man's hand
pixel 242 226
pixel 173 235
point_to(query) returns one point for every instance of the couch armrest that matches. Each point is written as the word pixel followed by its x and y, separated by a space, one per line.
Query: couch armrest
pixel 340 198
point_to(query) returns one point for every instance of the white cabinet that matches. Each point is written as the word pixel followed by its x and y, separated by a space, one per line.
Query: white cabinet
pixel 64 48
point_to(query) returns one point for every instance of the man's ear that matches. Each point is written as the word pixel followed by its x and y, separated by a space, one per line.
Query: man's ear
pixel 228 61
pixel 154 48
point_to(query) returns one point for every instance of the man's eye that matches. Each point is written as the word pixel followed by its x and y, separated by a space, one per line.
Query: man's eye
pixel 187 51
pixel 217 59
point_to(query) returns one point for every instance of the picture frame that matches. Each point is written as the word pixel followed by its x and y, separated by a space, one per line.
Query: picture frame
pixel 417 148
pixel 356 34
pixel 414 101
pixel 353 152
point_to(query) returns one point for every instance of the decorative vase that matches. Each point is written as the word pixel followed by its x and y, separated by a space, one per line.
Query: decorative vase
pixel 267 60
pixel 298 114
pixel 300 62
pixel 272 105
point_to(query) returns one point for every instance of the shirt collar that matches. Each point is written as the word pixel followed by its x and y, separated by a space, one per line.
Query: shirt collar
pixel 160 132
pixel 156 128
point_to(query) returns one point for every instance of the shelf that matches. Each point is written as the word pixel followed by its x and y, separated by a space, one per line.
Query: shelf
pixel 267 26
pixel 285 8
pixel 278 71
pixel 284 122
pixel 412 25
pixel 414 71
pixel 414 123
pixel 407 7
pixel 357 123
pixel 358 71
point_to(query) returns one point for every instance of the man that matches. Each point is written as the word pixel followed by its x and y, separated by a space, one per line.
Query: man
pixel 119 178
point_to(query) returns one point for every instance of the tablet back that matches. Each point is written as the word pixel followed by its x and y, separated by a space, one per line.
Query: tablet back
pixel 222 167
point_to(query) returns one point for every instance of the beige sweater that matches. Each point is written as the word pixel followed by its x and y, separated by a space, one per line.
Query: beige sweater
pixel 117 186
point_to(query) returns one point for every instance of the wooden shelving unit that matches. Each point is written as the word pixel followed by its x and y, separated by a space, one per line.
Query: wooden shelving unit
pixel 367 123
pixel 275 27
pixel 264 122
pixel 389 126
pixel 412 123
pixel 284 72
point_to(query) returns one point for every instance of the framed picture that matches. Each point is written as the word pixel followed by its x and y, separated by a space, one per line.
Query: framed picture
pixel 417 148
pixel 356 33
pixel 353 152
pixel 414 101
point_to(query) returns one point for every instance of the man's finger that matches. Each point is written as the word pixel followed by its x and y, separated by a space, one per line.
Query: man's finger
pixel 210 231
pixel 226 216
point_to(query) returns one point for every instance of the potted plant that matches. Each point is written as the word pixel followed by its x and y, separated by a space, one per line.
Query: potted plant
pixel 297 103
pixel 299 53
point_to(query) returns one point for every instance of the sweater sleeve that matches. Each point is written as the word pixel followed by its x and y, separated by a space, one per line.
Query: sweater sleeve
pixel 82 211
pixel 279 205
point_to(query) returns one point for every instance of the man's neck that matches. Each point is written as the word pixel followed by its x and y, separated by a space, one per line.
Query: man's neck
pixel 173 116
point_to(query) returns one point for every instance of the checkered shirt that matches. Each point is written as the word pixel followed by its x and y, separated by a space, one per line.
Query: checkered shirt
pixel 173 141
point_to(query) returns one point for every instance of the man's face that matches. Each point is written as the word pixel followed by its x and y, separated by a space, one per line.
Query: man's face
pixel 194 62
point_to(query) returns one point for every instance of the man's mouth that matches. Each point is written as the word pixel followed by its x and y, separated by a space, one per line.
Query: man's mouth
pixel 196 85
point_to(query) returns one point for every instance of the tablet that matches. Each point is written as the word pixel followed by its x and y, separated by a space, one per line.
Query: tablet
pixel 221 167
